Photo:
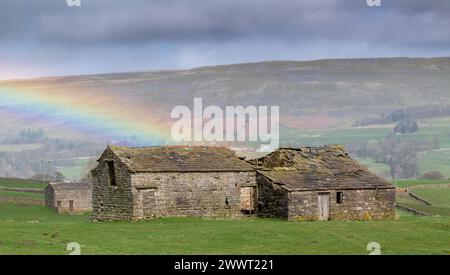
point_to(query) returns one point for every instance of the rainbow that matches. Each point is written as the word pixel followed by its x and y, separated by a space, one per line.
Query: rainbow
pixel 88 112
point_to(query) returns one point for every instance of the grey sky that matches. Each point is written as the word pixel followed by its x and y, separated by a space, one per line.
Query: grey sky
pixel 46 37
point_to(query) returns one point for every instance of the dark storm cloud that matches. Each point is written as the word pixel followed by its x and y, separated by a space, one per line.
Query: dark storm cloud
pixel 142 21
pixel 40 37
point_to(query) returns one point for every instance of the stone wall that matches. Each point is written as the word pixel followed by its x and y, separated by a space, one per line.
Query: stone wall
pixel 272 199
pixel 111 202
pixel 82 200
pixel 363 204
pixel 275 201
pixel 210 194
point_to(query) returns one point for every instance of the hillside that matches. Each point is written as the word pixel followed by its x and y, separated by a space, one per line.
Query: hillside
pixel 134 108
pixel 336 88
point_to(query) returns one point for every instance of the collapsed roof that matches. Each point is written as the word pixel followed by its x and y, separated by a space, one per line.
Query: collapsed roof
pixel 63 186
pixel 317 168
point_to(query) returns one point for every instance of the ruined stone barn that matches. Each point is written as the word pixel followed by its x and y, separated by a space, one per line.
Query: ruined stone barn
pixel 138 183
pixel 69 197
pixel 320 183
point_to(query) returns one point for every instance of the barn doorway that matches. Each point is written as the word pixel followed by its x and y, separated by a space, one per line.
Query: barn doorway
pixel 247 199
pixel 324 206
pixel 148 202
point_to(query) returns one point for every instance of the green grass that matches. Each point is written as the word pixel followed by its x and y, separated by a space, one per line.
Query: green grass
pixel 38 230
pixel 437 196
pixel 415 182
pixel 17 183
pixel 430 209
pixel 18 213
pixel 437 127
pixel 21 194
pixel 438 160
pixel 333 136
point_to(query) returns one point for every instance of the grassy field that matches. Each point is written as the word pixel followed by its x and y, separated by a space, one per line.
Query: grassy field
pixel 430 209
pixel 38 230
pixel 438 160
pixel 333 136
pixel 407 183
pixel 34 229
pixel 437 196
pixel 18 183
pixel 432 191
pixel 21 194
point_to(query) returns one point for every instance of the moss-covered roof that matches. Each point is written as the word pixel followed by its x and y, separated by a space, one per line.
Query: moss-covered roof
pixel 62 186
pixel 316 168
pixel 180 159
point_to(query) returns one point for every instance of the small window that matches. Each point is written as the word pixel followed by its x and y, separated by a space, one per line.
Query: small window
pixel 339 197
pixel 70 205
pixel 111 173
pixel 58 203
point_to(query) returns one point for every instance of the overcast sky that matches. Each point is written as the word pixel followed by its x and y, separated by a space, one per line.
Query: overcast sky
pixel 46 37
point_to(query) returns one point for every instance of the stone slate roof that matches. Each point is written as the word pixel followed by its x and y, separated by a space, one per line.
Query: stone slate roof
pixel 317 168
pixel 180 159
pixel 62 186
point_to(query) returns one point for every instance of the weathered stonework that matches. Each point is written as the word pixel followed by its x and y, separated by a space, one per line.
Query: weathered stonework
pixel 356 205
pixel 292 184
pixel 111 202
pixel 365 204
pixel 142 195
pixel 273 200
pixel 208 194
pixel 69 197
pixel 320 183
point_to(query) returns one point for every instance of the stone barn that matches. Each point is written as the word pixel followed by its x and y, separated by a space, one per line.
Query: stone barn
pixel 320 183
pixel 69 197
pixel 138 183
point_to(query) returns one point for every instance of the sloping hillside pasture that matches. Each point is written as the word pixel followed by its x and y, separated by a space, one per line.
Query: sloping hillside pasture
pixel 19 183
pixel 438 160
pixel 34 229
pixel 437 196
pixel 30 195
pixel 412 183
pixel 433 191
pixel 38 230
pixel 429 209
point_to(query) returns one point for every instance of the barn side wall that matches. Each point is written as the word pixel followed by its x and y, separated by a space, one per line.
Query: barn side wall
pixel 111 202
pixel 363 204
pixel 210 194
pixel 272 199
pixel 82 200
